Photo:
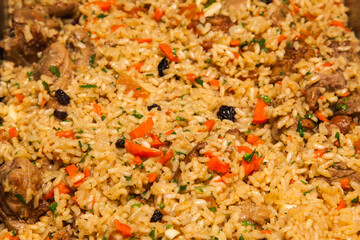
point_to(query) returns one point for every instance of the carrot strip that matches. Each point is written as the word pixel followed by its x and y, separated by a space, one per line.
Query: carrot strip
pixel 244 149
pixel 295 7
pixel 339 24
pixel 166 49
pixel 143 40
pixel 152 177
pixel 266 232
pixel 156 141
pixel 63 189
pixel 137 160
pixel 259 112
pixel 345 184
pixel 327 64
pixel 292 181
pixel 236 55
pixel 116 27
pixel 225 177
pixel 341 205
pixel 87 172
pixel 167 157
pixel 137 66
pixel 43 102
pixel 170 132
pixel 258 142
pixel 66 134
pixel 218 166
pixel 72 170
pixel 123 229
pixel 234 43
pixel 143 129
pixel 158 14
pixel 78 183
pixel 345 94
pixel 320 116
pixel 141 151
pixel 13 132
pixel 319 153
pixel 97 108
pixel 251 138
pixel 36 16
pixel 281 38
pixel 214 82
pixel 209 124
pixel 105 6
pixel 20 97
pixel 191 77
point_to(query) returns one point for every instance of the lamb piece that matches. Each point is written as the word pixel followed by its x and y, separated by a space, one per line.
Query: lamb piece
pixel 134 12
pixel 195 152
pixel 343 122
pixel 63 8
pixel 341 170
pixel 62 234
pixel 277 132
pixel 249 211
pixel 56 57
pixel 17 178
pixel 308 124
pixel 352 104
pixel 206 45
pixel 279 13
pixel 252 74
pixel 292 56
pixel 218 23
pixel 312 95
pixel 352 54
pixel 132 85
pixel 80 47
pixel 238 135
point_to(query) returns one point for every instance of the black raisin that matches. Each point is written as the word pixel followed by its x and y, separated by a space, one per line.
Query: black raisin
pixel 62 97
pixel 266 1
pixel 60 114
pixel 177 77
pixel 226 112
pixel 164 64
pixel 154 106
pixel 157 216
pixel 1 99
pixel 120 143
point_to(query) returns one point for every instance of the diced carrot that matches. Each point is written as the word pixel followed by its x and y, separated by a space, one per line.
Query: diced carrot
pixel 97 108
pixel 66 134
pixel 116 27
pixel 152 177
pixel 292 181
pixel 143 40
pixel 78 183
pixel 141 151
pixel 303 91
pixel 191 77
pixel 169 132
pixel 137 66
pixel 43 102
pixel 345 94
pixel 123 229
pixel 214 82
pixel 252 166
pixel 13 132
pixel 76 200
pixel 266 232
pixel 87 172
pixel 234 43
pixel 251 138
pixel 225 177
pixel 295 7
pixel 218 166
pixel 63 189
pixel 310 17
pixel 319 152
pixel 209 124
pixel 166 49
pixel 137 160
pixel 143 129
pixel 167 157
pixel 356 144
pixel 299 36
pixel 258 142
pixel 36 16
pixel 236 55
pixel 72 170
pixel 339 24
pixel 156 141
pixel 281 38
pixel 345 184
pixel 105 6
pixel 341 205
pixel 259 112
pixel 190 10
pixel 158 14
pixel 48 238
pixel 10 237
pixel 320 116
pixel 257 14
pixel 244 149
pixel 327 64
pixel 199 15
pixel 279 82
pixel 290 138
pixel 20 97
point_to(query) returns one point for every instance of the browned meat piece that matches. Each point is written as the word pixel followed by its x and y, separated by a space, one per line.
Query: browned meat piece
pixel 349 106
pixel 276 132
pixel 218 23
pixel 236 132
pixel 350 54
pixel 249 211
pixel 195 152
pixel 253 75
pixel 64 8
pixel 308 124
pixel 58 57
pixel 115 235
pixel 279 13
pixel 61 235
pixel 292 56
pixel 134 12
pixel 312 95
pixel 331 82
pixel 340 171
pixel 80 47
pixel 132 85
pixel 207 45
pixel 341 121
pixel 17 177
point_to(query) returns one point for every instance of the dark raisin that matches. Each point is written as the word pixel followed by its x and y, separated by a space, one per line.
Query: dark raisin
pixel 60 114
pixel 266 1
pixel 157 216
pixel 226 112
pixel 1 99
pixel 120 143
pixel 1 121
pixel 62 97
pixel 164 64
pixel 154 106
pixel 177 77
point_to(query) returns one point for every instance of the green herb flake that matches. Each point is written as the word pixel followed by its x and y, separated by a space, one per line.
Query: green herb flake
pixel 137 115
pixel 20 197
pixel 208 61
pixel 300 129
pixel 149 75
pixel 162 206
pixel 127 178
pixel 262 43
pixel 169 226
pixel 303 182
pixel 46 86
pixel 243 44
pixel 265 99
pixel 209 3
pixel 341 106
pixel 286 2
pixel 136 205
pixel 337 136
pixel 199 81
pixel 246 223
pixel 30 73
pixel 92 60
pixel 307 73
pixel 101 16
pixel 180 119
pixel 355 200
pixel 213 209
pixel 199 188
pixel 91 210
pixel 55 70
pixel 249 156
pixel 88 86
pixel 53 207
pixel 104 70
pixel 182 188
pixel 103 117
pixel 152 234
pixel 241 237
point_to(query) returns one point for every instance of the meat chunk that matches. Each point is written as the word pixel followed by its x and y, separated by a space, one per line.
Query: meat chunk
pixel 56 63
pixel 343 122
pixel 349 106
pixel 340 171
pixel 206 45
pixel 64 8
pixel 195 152
pixel 292 56
pixel 132 85
pixel 218 23
pixel 80 47
pixel 345 49
pixel 62 234
pixel 312 95
pixel 19 178
pixel 249 211
pixel 238 135
pixel 276 132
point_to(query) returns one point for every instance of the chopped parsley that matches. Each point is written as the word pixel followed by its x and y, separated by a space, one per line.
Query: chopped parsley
pixel 213 209
pixel 55 70
pixel 241 237
pixel 101 15
pixel 152 233
pixel 137 115
pixel 149 75
pixel 182 188
pixel 92 60
pixel 249 156
pixel 88 86
pixel 20 197
pixel 180 119
pixel 136 205
pixel 209 3
pixel 208 60
pixel 355 200
pixel 162 206
pixel 341 106
pixel 246 223
pixel 127 178
pixel 104 70
pixel 53 207
pixel 199 81
pixel 303 182
pixel 337 136
pixel 266 99
pixel 199 188
pixel 300 129
pixel 46 86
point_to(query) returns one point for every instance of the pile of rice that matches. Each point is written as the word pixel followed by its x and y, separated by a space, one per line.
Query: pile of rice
pixel 290 182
